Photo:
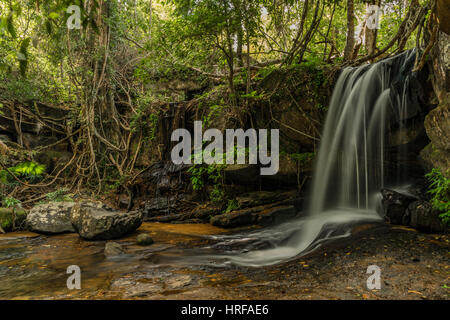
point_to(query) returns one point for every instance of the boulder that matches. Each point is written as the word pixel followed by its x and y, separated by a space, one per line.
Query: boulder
pixel 93 223
pixel 12 219
pixel 144 239
pixel 424 217
pixel 50 218
pixel 394 206
pixel 113 249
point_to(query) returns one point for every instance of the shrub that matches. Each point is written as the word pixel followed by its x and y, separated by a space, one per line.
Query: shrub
pixel 440 190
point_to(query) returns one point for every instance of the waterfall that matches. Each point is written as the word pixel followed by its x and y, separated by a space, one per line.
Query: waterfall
pixel 350 167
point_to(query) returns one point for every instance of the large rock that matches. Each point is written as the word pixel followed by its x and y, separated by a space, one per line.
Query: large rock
pixel 441 66
pixel 437 125
pixel 433 157
pixel 205 211
pixel 443 14
pixel 104 224
pixel 395 205
pixel 258 198
pixel 424 217
pixel 12 219
pixel 144 239
pixel 159 206
pixel 262 215
pixel 53 217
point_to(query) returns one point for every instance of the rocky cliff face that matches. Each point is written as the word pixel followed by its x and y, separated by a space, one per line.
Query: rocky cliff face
pixel 437 122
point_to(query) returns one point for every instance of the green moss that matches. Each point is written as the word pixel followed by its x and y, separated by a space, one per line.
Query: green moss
pixel 7 218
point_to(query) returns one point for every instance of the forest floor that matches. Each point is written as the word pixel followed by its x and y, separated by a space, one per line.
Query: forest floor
pixel 413 265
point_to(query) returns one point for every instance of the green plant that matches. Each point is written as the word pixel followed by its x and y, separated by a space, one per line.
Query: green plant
pixel 10 202
pixel 59 195
pixel 30 171
pixel 440 190
pixel 202 175
pixel 232 205
pixel 302 158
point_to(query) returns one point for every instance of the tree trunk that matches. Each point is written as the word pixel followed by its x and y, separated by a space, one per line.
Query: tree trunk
pixel 371 30
pixel 239 47
pixel 348 51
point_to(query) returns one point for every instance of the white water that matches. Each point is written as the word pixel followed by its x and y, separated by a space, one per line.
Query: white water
pixel 350 168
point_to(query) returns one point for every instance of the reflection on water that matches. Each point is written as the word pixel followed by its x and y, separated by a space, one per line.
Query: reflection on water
pixel 33 266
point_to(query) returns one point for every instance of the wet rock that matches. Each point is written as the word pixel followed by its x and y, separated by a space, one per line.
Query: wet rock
pixel 205 212
pixel 288 175
pixel 261 215
pixel 168 218
pixel 144 239
pixel 275 215
pixel 159 206
pixel 12 219
pixel 394 205
pixel 424 217
pixel 113 249
pixel 124 201
pixel 258 198
pixel 102 224
pixel 241 174
pixel 409 133
pixel 53 217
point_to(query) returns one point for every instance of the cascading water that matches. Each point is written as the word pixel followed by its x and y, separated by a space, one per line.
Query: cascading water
pixel 350 170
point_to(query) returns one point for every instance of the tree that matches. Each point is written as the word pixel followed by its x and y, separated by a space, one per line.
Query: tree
pixel 350 42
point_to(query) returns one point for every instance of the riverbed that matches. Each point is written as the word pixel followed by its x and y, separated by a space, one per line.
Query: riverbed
pixel 413 265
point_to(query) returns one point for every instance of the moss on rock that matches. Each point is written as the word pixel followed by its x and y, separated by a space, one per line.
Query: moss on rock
pixel 12 219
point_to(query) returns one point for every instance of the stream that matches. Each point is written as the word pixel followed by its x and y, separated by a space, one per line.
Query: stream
pixel 184 263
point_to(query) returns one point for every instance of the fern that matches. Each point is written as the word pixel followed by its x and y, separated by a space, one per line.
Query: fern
pixel 440 190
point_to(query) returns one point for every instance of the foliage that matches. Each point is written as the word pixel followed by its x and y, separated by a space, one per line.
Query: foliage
pixel 10 202
pixel 302 158
pixel 232 204
pixel 440 191
pixel 129 54
pixel 59 195
pixel 30 171
pixel 202 175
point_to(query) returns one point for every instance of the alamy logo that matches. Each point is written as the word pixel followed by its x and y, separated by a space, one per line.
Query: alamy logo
pixel 374 281
pixel 74 21
pixel 373 17
pixel 74 280
pixel 214 151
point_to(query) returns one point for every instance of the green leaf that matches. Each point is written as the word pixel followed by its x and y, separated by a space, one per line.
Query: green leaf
pixel 10 26
pixel 53 15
